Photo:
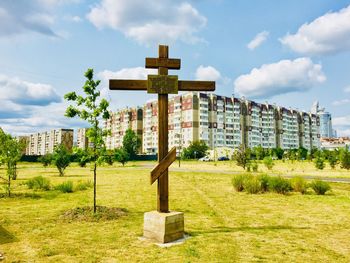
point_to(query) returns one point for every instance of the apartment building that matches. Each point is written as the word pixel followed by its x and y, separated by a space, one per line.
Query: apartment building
pixel 223 122
pixel 44 142
pixel 82 139
pixel 120 122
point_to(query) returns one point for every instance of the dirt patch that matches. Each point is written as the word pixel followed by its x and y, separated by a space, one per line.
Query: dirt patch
pixel 86 213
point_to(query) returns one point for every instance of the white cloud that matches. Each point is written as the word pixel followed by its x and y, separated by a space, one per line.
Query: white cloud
pixel 342 125
pixel 347 89
pixel 150 21
pixel 23 16
pixel 28 107
pixel 258 40
pixel 40 118
pixel 341 102
pixel 343 121
pixel 26 93
pixel 343 133
pixel 207 73
pixel 278 78
pixel 126 73
pixel 327 34
pixel 121 99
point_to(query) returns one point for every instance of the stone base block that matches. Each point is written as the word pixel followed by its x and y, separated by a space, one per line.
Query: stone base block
pixel 163 227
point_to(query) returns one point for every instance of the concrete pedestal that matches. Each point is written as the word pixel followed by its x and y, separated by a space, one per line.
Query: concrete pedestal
pixel 163 227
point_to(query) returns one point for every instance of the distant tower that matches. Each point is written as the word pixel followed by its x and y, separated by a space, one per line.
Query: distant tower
pixel 326 130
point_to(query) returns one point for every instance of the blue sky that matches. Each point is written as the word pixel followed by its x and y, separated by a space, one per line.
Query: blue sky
pixel 286 52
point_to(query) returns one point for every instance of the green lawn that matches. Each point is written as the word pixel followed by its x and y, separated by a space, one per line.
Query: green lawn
pixel 223 225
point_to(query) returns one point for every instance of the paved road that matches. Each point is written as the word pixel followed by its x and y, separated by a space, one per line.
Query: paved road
pixel 308 177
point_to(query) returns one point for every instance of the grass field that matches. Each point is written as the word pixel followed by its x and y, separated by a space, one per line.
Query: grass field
pixel 223 225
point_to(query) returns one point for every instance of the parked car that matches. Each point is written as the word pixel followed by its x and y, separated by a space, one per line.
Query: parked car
pixel 223 158
pixel 205 159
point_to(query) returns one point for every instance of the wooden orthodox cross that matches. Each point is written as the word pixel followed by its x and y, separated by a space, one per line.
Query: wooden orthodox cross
pixel 162 84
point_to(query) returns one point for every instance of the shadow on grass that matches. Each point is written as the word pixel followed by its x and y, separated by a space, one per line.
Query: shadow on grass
pixel 20 195
pixel 6 237
pixel 220 229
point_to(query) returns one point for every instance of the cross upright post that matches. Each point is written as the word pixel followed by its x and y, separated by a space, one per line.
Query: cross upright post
pixel 163 184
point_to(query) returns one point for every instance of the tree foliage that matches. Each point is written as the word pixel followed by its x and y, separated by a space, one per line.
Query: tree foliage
pixel 344 158
pixel 268 162
pixel 319 162
pixel 121 155
pixel 242 156
pixel 131 143
pixel 46 159
pixel 195 150
pixel 81 156
pixel 10 153
pixel 91 109
pixel 61 158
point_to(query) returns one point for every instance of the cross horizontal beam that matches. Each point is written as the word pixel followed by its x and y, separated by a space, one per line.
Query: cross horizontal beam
pixel 163 165
pixel 169 63
pixel 184 85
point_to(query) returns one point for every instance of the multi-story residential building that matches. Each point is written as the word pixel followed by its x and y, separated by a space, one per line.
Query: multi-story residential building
pixel 150 124
pixel 44 142
pixel 82 139
pixel 119 123
pixel 222 122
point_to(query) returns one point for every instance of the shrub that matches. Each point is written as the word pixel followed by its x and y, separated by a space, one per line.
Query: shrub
pixel 264 182
pixel 39 183
pixel 344 158
pixel 238 182
pixel 252 185
pixel 254 166
pixel 46 159
pixel 299 184
pixel 319 163
pixel 280 185
pixel 65 187
pixel 81 186
pixel 320 187
pixel 268 162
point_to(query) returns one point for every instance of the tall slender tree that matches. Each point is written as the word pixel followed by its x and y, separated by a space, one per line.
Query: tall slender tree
pixel 92 109
pixel 11 151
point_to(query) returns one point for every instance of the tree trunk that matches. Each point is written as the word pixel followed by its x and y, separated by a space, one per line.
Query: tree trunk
pixel 9 179
pixel 95 168
pixel 14 171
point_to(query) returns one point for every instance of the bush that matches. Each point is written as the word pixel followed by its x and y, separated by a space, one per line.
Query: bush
pixel 254 166
pixel 280 185
pixel 299 184
pixel 264 182
pixel 320 187
pixel 46 159
pixel 39 183
pixel 238 182
pixel 252 185
pixel 65 187
pixel 268 162
pixel 319 163
pixel 81 186
pixel 344 158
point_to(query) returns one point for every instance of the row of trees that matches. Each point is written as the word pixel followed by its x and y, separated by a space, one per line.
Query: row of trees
pixel 62 158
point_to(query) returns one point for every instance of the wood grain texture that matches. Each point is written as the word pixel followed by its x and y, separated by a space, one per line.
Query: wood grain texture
pixel 170 63
pixel 163 165
pixel 184 85
pixel 163 181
